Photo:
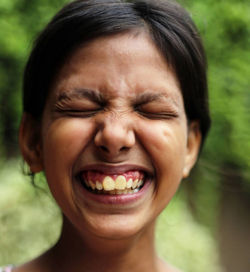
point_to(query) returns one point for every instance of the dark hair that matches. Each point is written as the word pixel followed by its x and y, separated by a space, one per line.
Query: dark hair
pixel 168 24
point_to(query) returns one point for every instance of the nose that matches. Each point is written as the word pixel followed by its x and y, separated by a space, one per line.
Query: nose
pixel 115 137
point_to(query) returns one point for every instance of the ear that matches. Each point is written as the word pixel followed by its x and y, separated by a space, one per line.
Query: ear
pixel 193 147
pixel 30 142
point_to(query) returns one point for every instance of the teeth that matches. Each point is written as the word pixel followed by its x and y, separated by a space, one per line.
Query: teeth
pixel 120 183
pixel 92 185
pixel 119 186
pixel 140 183
pixel 98 186
pixel 129 183
pixel 108 184
pixel 134 185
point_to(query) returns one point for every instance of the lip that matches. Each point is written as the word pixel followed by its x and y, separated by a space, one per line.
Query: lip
pixel 116 169
pixel 118 200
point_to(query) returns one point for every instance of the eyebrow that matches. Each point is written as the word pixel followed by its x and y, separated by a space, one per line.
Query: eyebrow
pixel 99 98
pixel 148 97
pixel 92 95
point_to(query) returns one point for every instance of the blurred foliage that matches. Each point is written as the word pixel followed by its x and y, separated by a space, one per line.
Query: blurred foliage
pixel 20 21
pixel 29 218
pixel 225 28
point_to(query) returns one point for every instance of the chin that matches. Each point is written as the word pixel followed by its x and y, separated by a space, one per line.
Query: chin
pixel 114 226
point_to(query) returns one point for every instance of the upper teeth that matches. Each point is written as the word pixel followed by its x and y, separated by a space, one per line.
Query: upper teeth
pixel 120 183
pixel 108 184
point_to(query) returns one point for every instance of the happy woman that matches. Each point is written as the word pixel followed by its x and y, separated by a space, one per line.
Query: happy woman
pixel 114 113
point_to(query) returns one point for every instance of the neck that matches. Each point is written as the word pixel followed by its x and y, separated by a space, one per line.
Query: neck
pixel 75 253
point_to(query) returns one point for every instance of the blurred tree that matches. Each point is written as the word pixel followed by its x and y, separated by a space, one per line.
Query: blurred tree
pixel 20 21
pixel 224 173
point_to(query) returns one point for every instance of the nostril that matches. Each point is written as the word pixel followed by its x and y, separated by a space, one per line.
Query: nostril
pixel 104 148
pixel 124 148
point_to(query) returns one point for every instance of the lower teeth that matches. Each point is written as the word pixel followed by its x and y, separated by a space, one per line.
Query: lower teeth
pixel 115 192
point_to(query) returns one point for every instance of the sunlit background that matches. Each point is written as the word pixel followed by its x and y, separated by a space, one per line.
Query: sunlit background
pixel 206 227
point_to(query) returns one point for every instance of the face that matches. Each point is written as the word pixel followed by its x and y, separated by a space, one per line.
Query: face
pixel 114 137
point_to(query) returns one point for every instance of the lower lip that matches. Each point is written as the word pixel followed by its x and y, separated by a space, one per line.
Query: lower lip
pixel 116 199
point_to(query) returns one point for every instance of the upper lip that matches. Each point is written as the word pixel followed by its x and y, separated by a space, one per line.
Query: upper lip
pixel 116 169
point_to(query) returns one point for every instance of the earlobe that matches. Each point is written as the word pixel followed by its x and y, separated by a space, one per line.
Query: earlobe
pixel 30 143
pixel 193 147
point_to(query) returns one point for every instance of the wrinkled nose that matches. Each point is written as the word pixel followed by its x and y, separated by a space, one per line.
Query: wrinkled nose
pixel 114 137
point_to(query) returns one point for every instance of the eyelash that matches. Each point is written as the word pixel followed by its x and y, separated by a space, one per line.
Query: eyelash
pixel 90 113
pixel 157 116
pixel 78 113
pixel 167 115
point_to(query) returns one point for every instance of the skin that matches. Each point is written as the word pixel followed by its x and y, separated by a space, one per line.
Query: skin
pixel 140 120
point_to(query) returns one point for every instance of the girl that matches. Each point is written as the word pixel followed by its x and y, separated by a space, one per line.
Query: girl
pixel 115 113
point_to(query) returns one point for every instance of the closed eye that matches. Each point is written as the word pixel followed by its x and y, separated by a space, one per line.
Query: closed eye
pixel 81 113
pixel 82 103
pixel 157 106
pixel 157 115
pixel 157 111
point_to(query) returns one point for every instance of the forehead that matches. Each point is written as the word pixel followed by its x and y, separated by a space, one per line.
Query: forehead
pixel 119 65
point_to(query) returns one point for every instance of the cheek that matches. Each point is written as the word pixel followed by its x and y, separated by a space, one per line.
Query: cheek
pixel 63 141
pixel 166 144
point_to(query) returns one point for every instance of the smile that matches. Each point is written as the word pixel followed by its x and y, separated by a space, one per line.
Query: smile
pixel 97 182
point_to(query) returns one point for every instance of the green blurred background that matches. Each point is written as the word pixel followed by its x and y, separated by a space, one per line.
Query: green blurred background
pixel 206 227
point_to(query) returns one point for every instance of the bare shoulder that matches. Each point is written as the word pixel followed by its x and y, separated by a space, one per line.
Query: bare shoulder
pixel 27 267
pixel 36 265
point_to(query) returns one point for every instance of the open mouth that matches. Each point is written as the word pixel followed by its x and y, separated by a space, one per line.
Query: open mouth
pixel 97 182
